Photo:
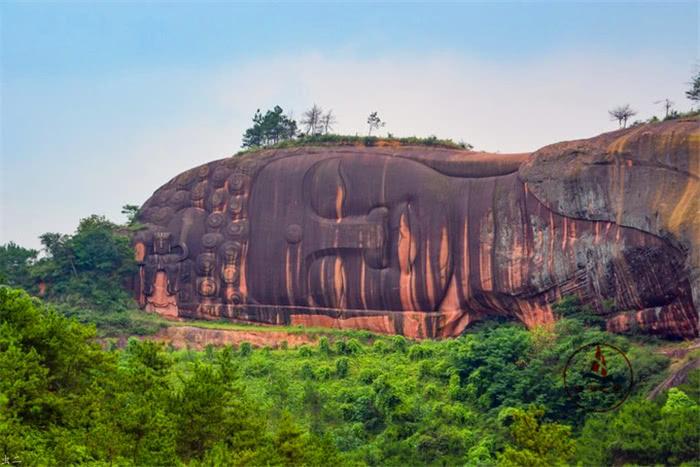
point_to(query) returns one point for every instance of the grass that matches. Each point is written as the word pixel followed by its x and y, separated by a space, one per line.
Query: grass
pixel 130 322
pixel 674 115
pixel 368 141
pixel 134 322
pixel 299 329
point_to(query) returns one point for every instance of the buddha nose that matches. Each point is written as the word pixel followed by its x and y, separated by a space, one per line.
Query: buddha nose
pixel 330 236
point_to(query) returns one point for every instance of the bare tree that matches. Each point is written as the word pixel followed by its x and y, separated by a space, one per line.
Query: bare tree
pixel 622 113
pixel 327 122
pixel 668 105
pixel 374 122
pixel 311 120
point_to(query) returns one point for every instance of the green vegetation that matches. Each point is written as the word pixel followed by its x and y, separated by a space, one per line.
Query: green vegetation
pixel 675 115
pixel 492 396
pixel 534 442
pixel 82 269
pixel 15 265
pixel 364 336
pixel 275 130
pixel 347 140
pixel 374 122
pixel 672 115
pixel 622 113
pixel 87 275
pixel 270 128
pixel 694 92
pixel 570 307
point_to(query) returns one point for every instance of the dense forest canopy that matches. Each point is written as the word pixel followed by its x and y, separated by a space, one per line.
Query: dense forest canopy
pixel 493 396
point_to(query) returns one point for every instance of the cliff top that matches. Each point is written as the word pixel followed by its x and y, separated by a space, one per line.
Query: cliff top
pixel 362 141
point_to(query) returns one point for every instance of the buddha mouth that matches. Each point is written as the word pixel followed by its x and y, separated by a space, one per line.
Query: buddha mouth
pixel 367 234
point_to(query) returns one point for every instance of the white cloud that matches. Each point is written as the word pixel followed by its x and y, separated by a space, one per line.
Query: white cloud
pixel 507 107
pixel 518 106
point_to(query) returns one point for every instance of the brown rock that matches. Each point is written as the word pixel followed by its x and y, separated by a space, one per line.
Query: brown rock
pixel 423 241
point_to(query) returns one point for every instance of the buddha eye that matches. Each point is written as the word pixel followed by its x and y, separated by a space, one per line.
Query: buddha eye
pixel 327 189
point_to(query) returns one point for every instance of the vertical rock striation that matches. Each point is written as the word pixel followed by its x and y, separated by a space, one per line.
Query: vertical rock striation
pixel 423 241
pixel 644 178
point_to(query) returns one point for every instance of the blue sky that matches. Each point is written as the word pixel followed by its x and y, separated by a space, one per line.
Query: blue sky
pixel 102 103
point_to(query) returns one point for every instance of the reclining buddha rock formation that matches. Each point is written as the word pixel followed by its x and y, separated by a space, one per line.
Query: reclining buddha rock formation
pixel 423 241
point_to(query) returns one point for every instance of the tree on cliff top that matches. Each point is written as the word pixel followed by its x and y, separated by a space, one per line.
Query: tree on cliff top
pixel 374 122
pixel 622 113
pixel 315 122
pixel 272 127
pixel 327 122
pixel 130 211
pixel 694 92
pixel 311 120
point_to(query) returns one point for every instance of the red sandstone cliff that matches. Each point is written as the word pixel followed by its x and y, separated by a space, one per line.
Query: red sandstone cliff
pixel 645 178
pixel 423 241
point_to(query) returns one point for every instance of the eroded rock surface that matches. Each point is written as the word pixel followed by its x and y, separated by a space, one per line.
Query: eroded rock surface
pixel 645 178
pixel 190 337
pixel 423 241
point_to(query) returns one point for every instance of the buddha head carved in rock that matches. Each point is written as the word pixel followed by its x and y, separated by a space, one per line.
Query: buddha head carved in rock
pixel 409 240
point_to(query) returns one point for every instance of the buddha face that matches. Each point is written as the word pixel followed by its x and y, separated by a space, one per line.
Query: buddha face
pixel 342 231
pixel 340 236
pixel 161 243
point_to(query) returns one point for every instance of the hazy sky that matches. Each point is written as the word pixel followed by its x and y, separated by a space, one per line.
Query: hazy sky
pixel 101 104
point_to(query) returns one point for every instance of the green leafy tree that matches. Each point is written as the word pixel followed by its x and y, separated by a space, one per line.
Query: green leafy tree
pixel 570 307
pixel 208 411
pixel 691 387
pixel 15 265
pixel 130 211
pixel 354 400
pixel 271 128
pixel 634 428
pixel 374 123
pixel 679 431
pixel 495 370
pixel 92 267
pixel 49 367
pixel 136 410
pixel 643 432
pixel 533 442
pixel 694 92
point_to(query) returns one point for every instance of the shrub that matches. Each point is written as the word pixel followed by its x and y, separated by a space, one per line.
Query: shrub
pixel 342 366
pixel 324 346
pixel 245 349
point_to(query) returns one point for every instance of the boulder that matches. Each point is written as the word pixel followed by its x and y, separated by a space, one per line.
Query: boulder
pixel 423 241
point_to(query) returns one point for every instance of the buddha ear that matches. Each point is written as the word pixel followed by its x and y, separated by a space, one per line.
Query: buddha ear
pixel 324 188
pixel 181 250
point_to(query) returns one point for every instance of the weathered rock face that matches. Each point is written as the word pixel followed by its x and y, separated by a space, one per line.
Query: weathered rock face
pixel 645 178
pixel 423 241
